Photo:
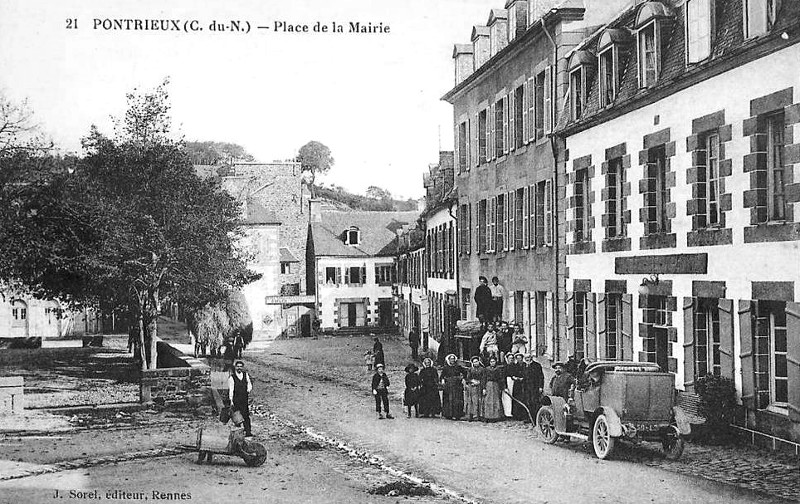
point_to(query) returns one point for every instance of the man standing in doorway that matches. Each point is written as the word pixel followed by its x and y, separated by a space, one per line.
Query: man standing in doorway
pixel 483 301
pixel 413 342
pixel 498 295
pixel 239 388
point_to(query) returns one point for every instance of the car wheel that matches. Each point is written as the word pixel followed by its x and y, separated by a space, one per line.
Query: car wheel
pixel 546 424
pixel 672 444
pixel 602 441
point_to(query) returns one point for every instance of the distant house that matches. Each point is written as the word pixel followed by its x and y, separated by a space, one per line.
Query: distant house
pixel 351 266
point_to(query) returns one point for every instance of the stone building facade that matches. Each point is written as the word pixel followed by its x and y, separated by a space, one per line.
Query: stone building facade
pixel 509 86
pixel 683 206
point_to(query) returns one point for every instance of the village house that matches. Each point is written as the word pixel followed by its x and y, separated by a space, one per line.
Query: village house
pixel 351 266
pixel 509 84
pixel 683 211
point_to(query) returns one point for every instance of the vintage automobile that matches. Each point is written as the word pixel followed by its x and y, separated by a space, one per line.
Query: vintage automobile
pixel 617 400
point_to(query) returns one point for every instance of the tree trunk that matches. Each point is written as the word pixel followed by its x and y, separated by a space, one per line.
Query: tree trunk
pixel 141 341
pixel 154 310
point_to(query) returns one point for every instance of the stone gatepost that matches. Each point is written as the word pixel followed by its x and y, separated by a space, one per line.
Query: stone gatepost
pixel 11 397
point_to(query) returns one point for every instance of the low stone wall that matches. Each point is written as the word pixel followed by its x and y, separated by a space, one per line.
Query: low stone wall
pixel 11 395
pixel 185 383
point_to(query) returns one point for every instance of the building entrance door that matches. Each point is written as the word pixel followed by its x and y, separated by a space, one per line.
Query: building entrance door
pixel 385 318
pixel 662 345
pixel 351 314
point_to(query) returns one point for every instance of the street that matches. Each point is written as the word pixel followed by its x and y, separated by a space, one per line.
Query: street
pixel 314 412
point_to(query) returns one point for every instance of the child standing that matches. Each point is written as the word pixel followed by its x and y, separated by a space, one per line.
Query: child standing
pixel 380 389
pixel 413 387
pixel 369 359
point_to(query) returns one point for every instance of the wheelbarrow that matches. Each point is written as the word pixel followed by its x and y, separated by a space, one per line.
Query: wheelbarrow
pixel 225 441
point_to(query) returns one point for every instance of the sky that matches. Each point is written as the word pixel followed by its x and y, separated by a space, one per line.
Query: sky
pixel 372 98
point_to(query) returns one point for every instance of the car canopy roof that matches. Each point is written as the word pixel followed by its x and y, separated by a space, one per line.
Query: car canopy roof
pixel 630 366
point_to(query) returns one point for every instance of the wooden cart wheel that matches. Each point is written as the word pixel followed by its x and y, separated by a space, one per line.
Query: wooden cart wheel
pixel 602 440
pixel 254 454
pixel 672 443
pixel 546 423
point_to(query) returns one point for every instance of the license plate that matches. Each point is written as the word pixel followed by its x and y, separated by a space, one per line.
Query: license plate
pixel 646 427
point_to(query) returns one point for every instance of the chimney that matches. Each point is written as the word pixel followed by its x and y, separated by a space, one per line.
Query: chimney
pixel 517 18
pixel 447 170
pixel 480 45
pixel 498 30
pixel 464 61
pixel 315 210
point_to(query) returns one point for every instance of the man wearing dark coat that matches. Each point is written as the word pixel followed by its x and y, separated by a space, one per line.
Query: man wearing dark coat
pixel 561 383
pixel 483 301
pixel 413 342
pixel 380 389
pixel 377 352
pixel 533 383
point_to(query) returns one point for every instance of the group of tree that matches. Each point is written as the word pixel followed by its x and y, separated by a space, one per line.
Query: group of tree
pixel 376 199
pixel 216 153
pixel 126 226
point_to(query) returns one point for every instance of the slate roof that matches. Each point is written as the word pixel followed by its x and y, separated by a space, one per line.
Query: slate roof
pixel 378 232
pixel 728 42
pixel 287 256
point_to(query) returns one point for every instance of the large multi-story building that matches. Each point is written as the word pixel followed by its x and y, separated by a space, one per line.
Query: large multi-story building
pixel 274 200
pixel 351 266
pixel 683 223
pixel 509 86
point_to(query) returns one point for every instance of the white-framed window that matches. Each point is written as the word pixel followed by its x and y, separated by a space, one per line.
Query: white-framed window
pixel 707 357
pixel 384 274
pixel 502 221
pixel 483 222
pixel 760 16
pixel 286 267
pixel 543 108
pixel 548 212
pixel 520 112
pixel 770 355
pixel 699 29
pixel 483 136
pixel 608 76
pixel 500 109
pixel 711 145
pixel 776 172
pixel 613 315
pixel 581 190
pixel 519 219
pixel 657 195
pixel 463 147
pixel 579 313
pixel 648 54
pixel 352 236
pixel 615 185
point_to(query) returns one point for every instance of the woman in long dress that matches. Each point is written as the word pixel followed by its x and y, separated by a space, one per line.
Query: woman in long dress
pixel 411 394
pixel 453 395
pixel 509 384
pixel 473 396
pixel 429 402
pixel 494 379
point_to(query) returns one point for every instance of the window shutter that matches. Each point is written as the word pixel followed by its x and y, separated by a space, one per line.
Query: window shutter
pixel 601 325
pixel 512 107
pixel 512 219
pixel 363 278
pixel 756 18
pixel 531 110
pixel 490 130
pixel 746 310
pixel 505 221
pixel 548 212
pixel 548 99
pixel 347 275
pixel 478 248
pixel 626 331
pixel 689 370
pixel 793 359
pixel 591 327
pixel 491 211
pixel 469 228
pixel 477 140
pixel 456 150
pixel 570 308
pixel 548 325
pixel 534 337
pixel 467 135
pixel 532 215
pixel 525 218
pixel 726 336
pixel 506 136
pixel 525 102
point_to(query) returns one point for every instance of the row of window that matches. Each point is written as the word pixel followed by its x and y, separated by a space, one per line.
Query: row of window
pixel 516 220
pixel 412 268
pixel 441 249
pixel 516 119
pixel 707 194
pixel 651 29
pixel 357 275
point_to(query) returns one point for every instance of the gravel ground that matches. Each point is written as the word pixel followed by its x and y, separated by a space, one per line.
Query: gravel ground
pixel 322 383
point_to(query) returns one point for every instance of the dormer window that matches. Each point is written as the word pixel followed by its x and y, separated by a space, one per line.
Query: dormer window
pixel 352 236
pixel 611 44
pixel 760 16
pixel 580 64
pixel 650 25
pixel 699 29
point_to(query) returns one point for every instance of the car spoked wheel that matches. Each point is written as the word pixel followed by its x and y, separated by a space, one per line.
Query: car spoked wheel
pixel 602 441
pixel 546 424
pixel 672 443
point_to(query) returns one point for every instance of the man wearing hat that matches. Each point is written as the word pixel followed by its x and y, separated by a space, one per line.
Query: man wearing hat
pixel 380 389
pixel 562 382
pixel 239 388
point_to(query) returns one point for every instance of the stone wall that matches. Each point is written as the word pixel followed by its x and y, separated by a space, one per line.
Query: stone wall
pixel 186 383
